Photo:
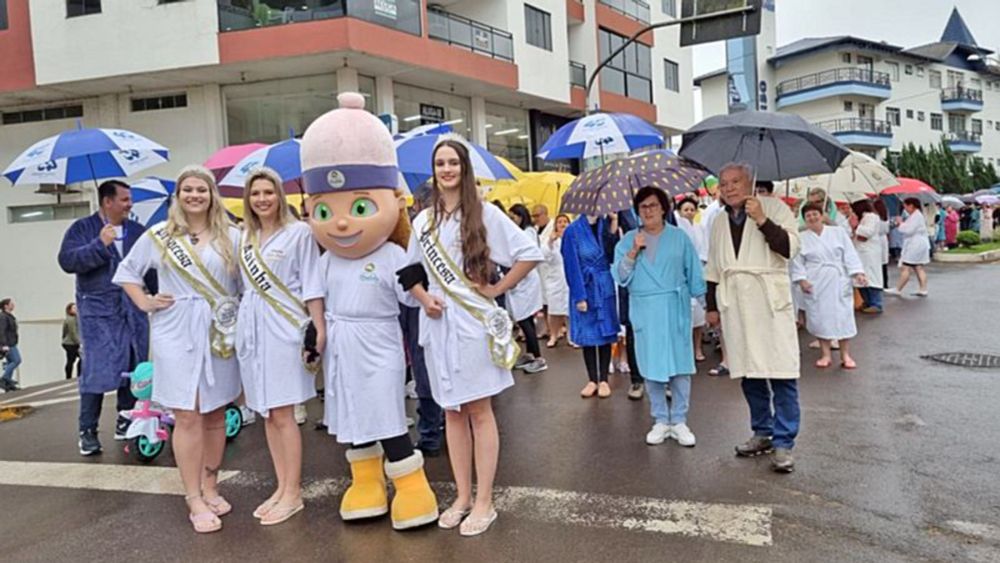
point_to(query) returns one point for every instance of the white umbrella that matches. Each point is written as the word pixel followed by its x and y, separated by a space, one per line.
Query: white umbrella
pixel 857 177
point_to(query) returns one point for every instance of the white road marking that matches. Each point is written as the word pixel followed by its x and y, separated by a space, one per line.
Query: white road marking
pixel 52 389
pixel 101 477
pixel 730 523
pixel 974 529
pixel 45 402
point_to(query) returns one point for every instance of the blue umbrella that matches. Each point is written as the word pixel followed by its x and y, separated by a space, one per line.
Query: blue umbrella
pixel 150 200
pixel 282 157
pixel 414 155
pixel 600 134
pixel 85 154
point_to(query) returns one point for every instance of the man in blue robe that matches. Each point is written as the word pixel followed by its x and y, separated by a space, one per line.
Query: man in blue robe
pixel 114 333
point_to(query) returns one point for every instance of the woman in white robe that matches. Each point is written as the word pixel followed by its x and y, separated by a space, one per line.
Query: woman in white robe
pixel 270 330
pixel 524 300
pixel 868 243
pixel 686 210
pixel 191 324
pixel 554 280
pixel 824 269
pixel 916 248
pixel 465 370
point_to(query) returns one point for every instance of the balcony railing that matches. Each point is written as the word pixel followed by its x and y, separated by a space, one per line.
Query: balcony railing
pixel 235 15
pixel 857 125
pixel 635 9
pixel 963 136
pixel 833 76
pixel 577 74
pixel 961 94
pixel 470 34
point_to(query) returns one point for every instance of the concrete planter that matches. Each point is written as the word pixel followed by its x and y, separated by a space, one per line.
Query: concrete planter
pixel 988 256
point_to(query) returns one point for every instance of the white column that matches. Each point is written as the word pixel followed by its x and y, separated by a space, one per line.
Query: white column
pixel 478 125
pixel 385 101
pixel 347 80
pixel 108 111
pixel 215 117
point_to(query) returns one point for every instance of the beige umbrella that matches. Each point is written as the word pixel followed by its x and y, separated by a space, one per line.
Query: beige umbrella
pixel 857 177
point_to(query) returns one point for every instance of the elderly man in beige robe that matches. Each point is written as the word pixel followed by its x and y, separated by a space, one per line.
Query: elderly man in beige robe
pixel 749 292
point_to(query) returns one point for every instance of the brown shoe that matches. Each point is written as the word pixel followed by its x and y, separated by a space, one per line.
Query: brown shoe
pixel 604 390
pixel 588 390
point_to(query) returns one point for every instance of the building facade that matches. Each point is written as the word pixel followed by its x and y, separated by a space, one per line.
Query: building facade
pixel 876 97
pixel 198 75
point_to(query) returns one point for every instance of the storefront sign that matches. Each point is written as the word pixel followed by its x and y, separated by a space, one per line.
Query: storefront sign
pixel 431 114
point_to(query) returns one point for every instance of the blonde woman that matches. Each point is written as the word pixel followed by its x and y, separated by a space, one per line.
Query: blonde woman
pixel 193 323
pixel 283 291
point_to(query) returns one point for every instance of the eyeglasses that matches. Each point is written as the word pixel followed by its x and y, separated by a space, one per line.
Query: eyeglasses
pixel 650 206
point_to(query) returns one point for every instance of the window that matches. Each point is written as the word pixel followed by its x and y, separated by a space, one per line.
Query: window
pixel 908 69
pixel 865 61
pixel 671 76
pixel 170 101
pixel 909 114
pixel 845 57
pixel 45 114
pixel 82 7
pixel 628 73
pixel 538 27
pixel 848 106
pixel 49 212
pixel 936 122
pixel 920 71
pixel 977 126
pixel 670 8
pixel 3 14
pixel 920 116
pixel 893 69
pixel 976 84
pixel 989 124
pixel 934 77
pixel 892 116
pixel 997 124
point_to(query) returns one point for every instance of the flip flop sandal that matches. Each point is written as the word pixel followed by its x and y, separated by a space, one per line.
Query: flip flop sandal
pixel 264 508
pixel 821 365
pixel 280 514
pixel 205 522
pixel 845 366
pixel 472 527
pixel 218 505
pixel 452 517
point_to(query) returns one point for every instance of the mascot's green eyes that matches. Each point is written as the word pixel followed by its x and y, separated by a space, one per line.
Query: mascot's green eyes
pixel 322 212
pixel 363 207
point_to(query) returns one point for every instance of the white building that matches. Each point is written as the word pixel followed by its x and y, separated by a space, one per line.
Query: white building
pixel 197 75
pixel 876 97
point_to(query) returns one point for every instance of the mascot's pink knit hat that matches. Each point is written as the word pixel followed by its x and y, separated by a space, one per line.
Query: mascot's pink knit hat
pixel 348 149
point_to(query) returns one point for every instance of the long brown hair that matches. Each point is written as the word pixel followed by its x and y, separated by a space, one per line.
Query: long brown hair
pixel 476 253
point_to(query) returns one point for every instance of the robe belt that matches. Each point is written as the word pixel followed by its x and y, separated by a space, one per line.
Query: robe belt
pixel 203 349
pixel 679 291
pixel 334 343
pixel 760 274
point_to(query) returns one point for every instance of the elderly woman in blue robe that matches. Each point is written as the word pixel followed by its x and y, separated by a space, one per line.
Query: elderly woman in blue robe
pixel 660 267
pixel 587 247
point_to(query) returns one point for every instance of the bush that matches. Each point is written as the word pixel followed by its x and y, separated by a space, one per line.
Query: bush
pixel 968 238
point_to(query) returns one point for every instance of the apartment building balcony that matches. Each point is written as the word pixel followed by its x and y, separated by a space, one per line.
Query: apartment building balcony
pixel 578 85
pixel 964 142
pixel 960 99
pixel 469 34
pixel 237 15
pixel 634 9
pixel 860 132
pixel 848 81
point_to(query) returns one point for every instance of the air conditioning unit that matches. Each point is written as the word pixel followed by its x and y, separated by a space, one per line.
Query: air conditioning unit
pixel 56 189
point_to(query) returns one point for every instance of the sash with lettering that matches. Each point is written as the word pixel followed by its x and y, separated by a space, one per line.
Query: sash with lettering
pixel 224 306
pixel 499 327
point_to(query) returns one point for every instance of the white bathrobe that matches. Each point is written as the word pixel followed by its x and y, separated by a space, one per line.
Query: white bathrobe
pixel 828 261
pixel 870 249
pixel 697 237
pixel 916 241
pixel 554 277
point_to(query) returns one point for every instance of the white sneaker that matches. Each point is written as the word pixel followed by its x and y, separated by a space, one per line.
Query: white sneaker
pixel 891 291
pixel 411 389
pixel 658 434
pixel 249 417
pixel 300 414
pixel 682 434
pixel 611 367
pixel 623 367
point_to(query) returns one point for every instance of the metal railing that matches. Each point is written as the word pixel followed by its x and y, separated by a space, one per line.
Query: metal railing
pixel 577 74
pixel 469 34
pixel 857 125
pixel 243 15
pixel 833 76
pixel 961 93
pixel 964 136
pixel 635 9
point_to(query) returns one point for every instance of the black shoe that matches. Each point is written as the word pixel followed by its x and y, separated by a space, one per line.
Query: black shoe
pixel 89 444
pixel 10 385
pixel 121 427
pixel 428 452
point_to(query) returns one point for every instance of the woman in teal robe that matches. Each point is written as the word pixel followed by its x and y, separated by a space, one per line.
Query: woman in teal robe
pixel 661 269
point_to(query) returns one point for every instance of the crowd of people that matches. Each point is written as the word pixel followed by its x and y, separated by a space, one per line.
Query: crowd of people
pixel 366 290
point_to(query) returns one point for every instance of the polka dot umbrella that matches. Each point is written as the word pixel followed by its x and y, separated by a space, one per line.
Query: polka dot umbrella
pixel 611 187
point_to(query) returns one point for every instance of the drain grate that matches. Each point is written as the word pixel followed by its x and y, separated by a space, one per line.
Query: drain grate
pixel 965 359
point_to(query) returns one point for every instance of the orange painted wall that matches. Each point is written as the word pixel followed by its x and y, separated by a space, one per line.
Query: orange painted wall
pixel 611 102
pixel 17 62
pixel 622 25
pixel 348 34
pixel 574 11
pixel 578 97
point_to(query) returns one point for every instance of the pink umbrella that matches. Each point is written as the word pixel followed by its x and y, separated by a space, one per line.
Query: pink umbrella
pixel 223 160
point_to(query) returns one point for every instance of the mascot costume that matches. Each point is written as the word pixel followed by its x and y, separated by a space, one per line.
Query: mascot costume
pixel 358 214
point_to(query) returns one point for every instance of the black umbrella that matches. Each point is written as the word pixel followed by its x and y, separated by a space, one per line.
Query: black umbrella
pixel 779 146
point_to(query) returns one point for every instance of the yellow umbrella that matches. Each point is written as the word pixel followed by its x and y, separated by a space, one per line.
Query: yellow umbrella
pixel 533 188
pixel 235 204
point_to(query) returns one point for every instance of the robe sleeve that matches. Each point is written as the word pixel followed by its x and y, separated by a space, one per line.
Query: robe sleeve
pixel 80 254
pixel 783 217
pixel 797 268
pixel 692 269
pixel 851 259
pixel 911 225
pixel 308 251
pixel 508 244
pixel 713 270
pixel 139 260
pixel 868 227
pixel 623 266
pixel 571 266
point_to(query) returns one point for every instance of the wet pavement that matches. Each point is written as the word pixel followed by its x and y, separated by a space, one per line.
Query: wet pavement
pixel 896 461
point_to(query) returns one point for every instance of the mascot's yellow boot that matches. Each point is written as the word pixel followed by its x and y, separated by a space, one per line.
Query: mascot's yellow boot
pixel 366 497
pixel 414 504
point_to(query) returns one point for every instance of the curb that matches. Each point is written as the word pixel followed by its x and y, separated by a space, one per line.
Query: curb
pixel 988 256
pixel 14 412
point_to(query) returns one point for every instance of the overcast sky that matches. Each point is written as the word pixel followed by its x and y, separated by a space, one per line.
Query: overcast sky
pixel 906 23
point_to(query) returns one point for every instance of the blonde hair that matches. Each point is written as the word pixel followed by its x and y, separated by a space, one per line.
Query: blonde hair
pixel 218 221
pixel 251 222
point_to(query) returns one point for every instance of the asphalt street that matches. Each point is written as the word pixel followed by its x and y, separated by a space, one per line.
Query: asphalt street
pixel 896 461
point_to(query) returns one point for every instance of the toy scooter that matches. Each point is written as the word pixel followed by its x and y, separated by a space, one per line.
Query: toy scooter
pixel 150 427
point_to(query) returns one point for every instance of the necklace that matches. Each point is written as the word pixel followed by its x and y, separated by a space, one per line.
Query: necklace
pixel 193 237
